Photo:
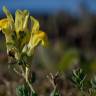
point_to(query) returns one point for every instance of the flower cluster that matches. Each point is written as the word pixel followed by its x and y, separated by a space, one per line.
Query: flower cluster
pixel 22 34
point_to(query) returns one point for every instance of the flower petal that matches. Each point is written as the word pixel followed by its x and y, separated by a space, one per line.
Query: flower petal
pixel 21 21
pixel 9 17
pixel 35 40
pixel 3 23
pixel 35 25
pixel 43 37
pixel 7 27
pixel 8 14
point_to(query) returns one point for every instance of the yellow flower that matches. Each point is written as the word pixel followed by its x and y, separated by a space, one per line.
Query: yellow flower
pixel 6 29
pixel 4 23
pixel 21 21
pixel 5 26
pixel 38 38
pixel 22 34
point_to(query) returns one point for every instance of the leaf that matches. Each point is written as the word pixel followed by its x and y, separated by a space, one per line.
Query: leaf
pixel 79 78
pixel 55 93
pixel 22 90
pixel 93 82
pixel 34 94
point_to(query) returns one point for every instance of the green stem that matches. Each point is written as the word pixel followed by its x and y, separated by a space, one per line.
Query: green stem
pixel 25 74
pixel 27 81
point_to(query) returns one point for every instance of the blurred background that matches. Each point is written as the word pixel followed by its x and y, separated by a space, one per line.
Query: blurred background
pixel 71 29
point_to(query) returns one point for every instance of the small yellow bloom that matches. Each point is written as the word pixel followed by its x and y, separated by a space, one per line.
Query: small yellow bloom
pixel 35 40
pixel 37 37
pixel 21 21
pixel 43 38
pixel 4 23
pixel 6 29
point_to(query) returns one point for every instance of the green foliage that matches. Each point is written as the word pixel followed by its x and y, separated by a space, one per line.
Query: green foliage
pixel 21 42
pixel 79 78
pixel 22 90
pixel 34 94
pixel 93 82
pixel 92 90
pixel 23 36
pixel 55 93
pixel 86 87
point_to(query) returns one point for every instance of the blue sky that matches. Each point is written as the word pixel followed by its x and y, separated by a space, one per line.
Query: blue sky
pixel 47 6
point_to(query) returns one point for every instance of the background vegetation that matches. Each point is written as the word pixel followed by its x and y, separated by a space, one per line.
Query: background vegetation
pixel 72 45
